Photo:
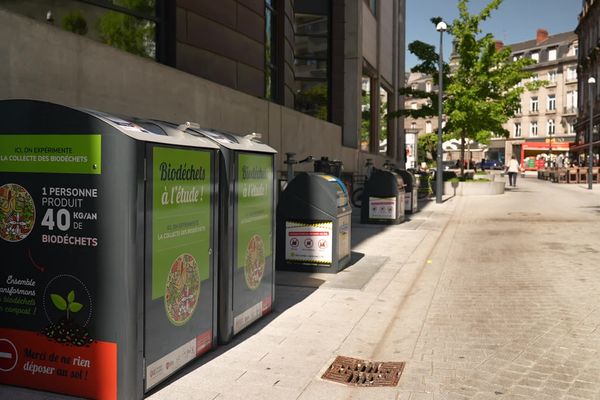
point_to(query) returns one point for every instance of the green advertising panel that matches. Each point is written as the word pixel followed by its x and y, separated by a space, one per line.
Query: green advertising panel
pixel 180 228
pixel 254 205
pixel 65 154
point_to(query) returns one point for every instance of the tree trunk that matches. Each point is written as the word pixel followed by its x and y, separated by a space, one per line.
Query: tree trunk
pixel 462 154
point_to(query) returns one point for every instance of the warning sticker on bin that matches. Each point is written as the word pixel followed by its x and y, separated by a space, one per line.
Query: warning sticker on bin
pixel 382 207
pixel 309 243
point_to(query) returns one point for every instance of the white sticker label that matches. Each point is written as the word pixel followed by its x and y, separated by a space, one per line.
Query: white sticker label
pixel 247 317
pixel 308 243
pixel 162 368
pixel 382 207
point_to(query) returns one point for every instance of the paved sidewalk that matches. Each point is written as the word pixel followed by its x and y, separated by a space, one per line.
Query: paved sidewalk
pixel 483 297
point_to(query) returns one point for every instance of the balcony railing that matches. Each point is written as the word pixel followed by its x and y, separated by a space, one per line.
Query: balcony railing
pixel 570 110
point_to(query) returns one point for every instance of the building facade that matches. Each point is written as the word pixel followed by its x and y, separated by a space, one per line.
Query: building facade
pixel 589 94
pixel 314 77
pixel 544 126
pixel 413 127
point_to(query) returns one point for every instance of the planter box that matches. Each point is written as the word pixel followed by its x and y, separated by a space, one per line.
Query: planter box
pixel 473 188
pixel 491 177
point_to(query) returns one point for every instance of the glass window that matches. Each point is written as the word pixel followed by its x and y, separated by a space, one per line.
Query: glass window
pixel 535 56
pixel 551 102
pixel 413 105
pixel 413 125
pixel 428 87
pixel 311 60
pixel 573 49
pixel 270 55
pixel 372 6
pixel 571 101
pixel 552 76
pixel 534 104
pixel 384 123
pixel 533 129
pixel 551 54
pixel 571 74
pixel 551 127
pixel 367 117
pixel 428 127
pixel 126 25
pixel 518 129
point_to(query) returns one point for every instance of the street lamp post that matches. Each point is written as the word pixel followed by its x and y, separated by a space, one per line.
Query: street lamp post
pixel 549 150
pixel 439 183
pixel 591 83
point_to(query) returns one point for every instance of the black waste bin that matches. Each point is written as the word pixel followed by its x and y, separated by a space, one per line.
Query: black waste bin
pixel 329 167
pixel 107 233
pixel 410 191
pixel 383 199
pixel 313 224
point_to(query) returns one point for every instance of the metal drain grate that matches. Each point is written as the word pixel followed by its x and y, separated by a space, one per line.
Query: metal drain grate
pixel 355 372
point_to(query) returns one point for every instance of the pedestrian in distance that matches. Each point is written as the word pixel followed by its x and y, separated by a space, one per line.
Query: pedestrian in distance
pixel 513 169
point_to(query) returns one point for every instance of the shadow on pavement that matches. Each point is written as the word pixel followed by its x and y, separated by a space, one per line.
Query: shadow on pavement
pixel 286 296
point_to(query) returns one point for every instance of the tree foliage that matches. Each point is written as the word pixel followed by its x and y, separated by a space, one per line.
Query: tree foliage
pixel 482 91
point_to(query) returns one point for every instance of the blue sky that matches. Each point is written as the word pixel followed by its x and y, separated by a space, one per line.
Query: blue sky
pixel 514 21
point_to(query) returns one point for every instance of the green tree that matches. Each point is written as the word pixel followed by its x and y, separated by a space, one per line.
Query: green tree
pixel 483 92
pixel 427 147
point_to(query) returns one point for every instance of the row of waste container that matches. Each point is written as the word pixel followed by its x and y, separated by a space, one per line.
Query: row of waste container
pixel 130 247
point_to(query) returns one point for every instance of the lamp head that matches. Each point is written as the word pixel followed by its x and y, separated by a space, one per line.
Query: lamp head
pixel 591 80
pixel 441 26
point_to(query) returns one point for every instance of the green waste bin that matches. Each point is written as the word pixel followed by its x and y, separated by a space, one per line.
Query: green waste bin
pixel 107 232
pixel 247 226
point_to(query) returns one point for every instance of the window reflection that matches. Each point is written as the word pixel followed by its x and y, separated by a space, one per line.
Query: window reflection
pixel 384 123
pixel 129 25
pixel 311 62
pixel 365 126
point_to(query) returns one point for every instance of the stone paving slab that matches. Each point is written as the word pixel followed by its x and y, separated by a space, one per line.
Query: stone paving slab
pixel 489 297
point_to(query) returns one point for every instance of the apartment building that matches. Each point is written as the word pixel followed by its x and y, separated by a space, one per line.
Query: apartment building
pixel 544 126
pixel 315 77
pixel 415 126
pixel 589 93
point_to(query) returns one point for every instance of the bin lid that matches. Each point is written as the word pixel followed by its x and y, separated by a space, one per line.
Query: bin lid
pixel 169 129
pixel 149 130
pixel 222 138
pixel 234 142
pixel 384 183
pixel 325 192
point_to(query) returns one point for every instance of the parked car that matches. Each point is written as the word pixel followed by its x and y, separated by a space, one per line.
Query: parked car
pixel 490 164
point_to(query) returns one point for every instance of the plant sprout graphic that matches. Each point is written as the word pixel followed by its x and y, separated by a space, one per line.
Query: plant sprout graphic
pixel 68 305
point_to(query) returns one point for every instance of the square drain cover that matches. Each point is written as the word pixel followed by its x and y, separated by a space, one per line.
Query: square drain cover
pixel 355 372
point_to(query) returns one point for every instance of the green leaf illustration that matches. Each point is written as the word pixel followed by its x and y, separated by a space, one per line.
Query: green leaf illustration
pixel 59 302
pixel 75 307
pixel 71 296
